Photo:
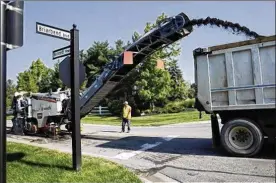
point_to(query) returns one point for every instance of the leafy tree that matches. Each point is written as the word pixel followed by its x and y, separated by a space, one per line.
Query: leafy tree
pixel 37 78
pixel 192 91
pixel 11 89
pixel 54 76
pixel 42 74
pixel 95 58
pixel 179 86
pixel 153 84
pixel 26 82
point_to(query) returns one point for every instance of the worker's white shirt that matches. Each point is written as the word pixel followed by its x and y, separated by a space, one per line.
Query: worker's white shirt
pixel 18 104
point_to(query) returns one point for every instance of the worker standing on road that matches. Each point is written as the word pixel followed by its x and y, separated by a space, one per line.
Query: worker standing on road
pixel 18 119
pixel 126 117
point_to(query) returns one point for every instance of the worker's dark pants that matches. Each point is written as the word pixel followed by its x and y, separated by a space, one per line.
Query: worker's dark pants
pixel 18 126
pixel 124 122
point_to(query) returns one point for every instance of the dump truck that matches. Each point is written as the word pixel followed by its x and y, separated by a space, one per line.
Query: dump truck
pixel 236 83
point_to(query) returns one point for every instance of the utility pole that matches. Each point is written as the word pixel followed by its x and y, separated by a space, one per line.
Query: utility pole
pixel 11 30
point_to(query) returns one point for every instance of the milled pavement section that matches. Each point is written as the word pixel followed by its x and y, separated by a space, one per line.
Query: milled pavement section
pixel 171 153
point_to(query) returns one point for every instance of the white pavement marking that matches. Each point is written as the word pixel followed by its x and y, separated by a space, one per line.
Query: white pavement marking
pixel 169 137
pixel 144 147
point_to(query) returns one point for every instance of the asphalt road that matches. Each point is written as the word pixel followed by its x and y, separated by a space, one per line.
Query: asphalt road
pixel 182 152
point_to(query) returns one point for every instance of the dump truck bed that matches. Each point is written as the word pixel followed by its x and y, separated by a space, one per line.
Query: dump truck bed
pixel 236 76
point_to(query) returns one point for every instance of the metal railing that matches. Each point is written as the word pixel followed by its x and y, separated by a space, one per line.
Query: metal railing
pixel 100 110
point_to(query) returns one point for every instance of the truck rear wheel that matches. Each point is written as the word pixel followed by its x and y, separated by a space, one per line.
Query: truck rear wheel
pixel 242 137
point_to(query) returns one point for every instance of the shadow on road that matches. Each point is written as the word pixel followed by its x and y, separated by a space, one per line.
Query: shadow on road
pixel 111 131
pixel 181 146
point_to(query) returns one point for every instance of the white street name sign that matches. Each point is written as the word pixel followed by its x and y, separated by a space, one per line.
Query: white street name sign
pixel 52 31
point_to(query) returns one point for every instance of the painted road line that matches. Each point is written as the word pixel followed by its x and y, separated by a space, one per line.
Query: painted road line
pixel 169 137
pixel 125 156
pixel 144 147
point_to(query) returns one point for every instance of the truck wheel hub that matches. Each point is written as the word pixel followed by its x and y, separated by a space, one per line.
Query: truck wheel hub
pixel 241 138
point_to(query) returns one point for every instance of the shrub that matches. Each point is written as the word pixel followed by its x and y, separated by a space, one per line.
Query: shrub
pixel 171 107
pixel 176 106
pixel 189 103
pixel 115 107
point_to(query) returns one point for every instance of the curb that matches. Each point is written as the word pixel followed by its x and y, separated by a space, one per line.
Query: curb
pixel 144 180
pixel 165 178
pixel 157 178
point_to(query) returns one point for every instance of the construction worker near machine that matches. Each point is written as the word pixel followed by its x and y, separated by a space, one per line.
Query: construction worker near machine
pixel 126 117
pixel 18 108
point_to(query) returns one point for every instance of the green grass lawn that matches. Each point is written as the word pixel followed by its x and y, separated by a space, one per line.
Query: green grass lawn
pixel 153 120
pixel 29 164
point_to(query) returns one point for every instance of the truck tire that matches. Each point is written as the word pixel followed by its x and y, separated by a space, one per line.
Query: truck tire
pixel 242 137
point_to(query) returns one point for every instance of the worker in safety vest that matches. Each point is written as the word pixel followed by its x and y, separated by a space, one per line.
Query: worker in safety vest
pixel 126 117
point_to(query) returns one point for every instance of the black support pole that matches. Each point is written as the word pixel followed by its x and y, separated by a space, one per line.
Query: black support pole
pixel 75 100
pixel 3 75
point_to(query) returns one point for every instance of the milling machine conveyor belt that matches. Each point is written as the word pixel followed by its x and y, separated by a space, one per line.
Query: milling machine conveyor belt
pixel 167 32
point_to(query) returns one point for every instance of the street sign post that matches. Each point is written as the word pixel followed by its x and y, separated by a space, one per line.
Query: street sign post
pixel 62 52
pixel 73 37
pixel 11 30
pixel 75 99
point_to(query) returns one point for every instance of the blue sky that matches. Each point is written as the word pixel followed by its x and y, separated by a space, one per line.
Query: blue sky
pixel 100 21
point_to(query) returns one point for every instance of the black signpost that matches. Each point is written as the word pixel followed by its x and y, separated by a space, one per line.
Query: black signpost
pixel 73 51
pixel 75 100
pixel 11 30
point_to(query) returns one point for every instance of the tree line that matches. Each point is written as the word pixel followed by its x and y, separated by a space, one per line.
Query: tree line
pixel 147 88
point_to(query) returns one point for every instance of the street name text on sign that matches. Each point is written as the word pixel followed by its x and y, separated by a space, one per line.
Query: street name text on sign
pixel 52 31
pixel 62 52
